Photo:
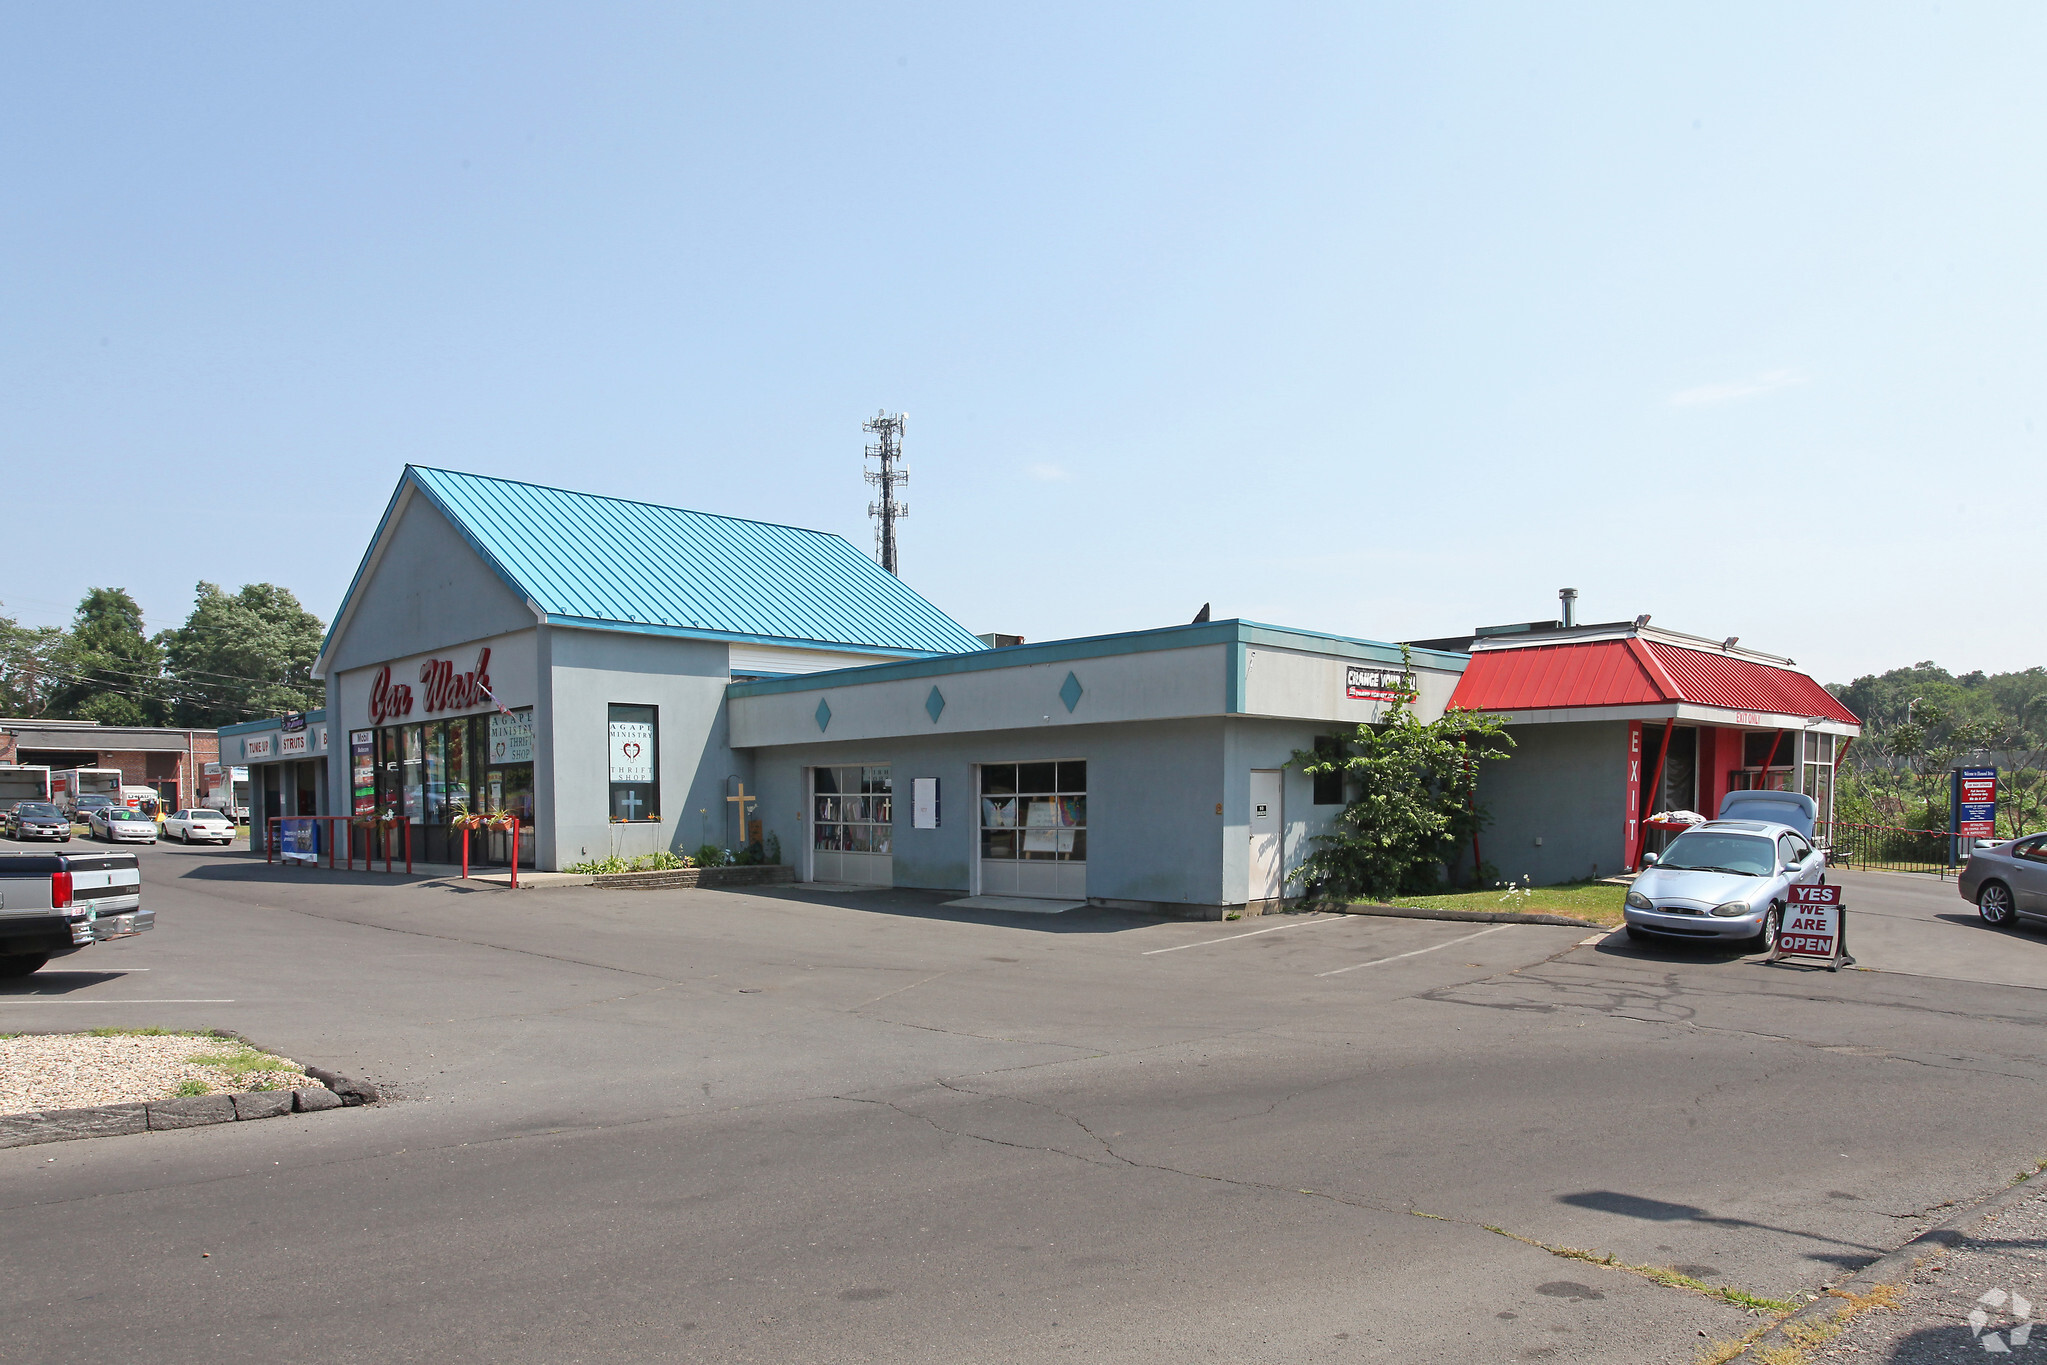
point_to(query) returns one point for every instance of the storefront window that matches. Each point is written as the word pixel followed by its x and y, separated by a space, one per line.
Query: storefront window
pixel 1034 812
pixel 855 810
pixel 635 767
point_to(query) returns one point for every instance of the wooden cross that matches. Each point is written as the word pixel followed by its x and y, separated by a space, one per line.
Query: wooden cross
pixel 744 800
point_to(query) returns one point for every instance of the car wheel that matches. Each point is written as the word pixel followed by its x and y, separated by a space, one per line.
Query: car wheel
pixel 22 966
pixel 1766 937
pixel 1993 902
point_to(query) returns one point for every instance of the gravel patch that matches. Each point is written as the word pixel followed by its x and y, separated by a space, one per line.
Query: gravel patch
pixel 1985 1297
pixel 73 1070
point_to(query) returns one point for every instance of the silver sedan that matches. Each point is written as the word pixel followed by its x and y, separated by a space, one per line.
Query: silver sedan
pixel 119 825
pixel 1724 880
pixel 2008 882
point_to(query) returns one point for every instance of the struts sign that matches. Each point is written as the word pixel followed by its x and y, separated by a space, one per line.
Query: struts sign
pixel 444 689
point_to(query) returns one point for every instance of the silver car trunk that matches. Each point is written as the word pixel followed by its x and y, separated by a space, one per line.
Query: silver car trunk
pixel 1795 809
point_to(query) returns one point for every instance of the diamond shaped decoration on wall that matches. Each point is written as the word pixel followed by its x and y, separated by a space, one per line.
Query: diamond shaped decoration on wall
pixel 824 714
pixel 934 705
pixel 1069 691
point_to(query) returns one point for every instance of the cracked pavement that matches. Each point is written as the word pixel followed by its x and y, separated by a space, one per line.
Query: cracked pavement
pixel 793 1125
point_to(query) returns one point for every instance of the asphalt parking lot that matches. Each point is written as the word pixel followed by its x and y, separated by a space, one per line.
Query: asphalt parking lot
pixel 801 1125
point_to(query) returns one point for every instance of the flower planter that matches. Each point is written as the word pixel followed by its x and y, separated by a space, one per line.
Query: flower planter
pixel 757 875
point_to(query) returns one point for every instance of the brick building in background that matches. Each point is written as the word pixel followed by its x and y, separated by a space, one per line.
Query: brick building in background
pixel 174 762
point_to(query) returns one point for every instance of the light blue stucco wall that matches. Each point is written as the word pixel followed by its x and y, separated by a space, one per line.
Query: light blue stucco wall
pixel 1566 785
pixel 1155 839
pixel 427 591
pixel 591 670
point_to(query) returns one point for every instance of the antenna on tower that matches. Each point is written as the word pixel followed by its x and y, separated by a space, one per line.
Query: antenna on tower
pixel 886 510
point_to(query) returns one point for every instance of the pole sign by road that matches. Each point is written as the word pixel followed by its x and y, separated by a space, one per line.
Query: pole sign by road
pixel 1812 927
pixel 1976 803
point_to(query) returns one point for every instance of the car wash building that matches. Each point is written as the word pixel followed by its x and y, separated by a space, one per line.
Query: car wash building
pixel 1614 723
pixel 626 678
pixel 563 658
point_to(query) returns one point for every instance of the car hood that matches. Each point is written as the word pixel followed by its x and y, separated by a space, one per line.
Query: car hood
pixel 1706 888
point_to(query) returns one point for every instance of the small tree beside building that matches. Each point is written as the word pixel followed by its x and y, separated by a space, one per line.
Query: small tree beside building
pixel 1412 807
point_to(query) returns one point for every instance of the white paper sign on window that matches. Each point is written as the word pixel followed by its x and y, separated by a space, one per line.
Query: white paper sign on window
pixel 924 802
pixel 511 738
pixel 632 751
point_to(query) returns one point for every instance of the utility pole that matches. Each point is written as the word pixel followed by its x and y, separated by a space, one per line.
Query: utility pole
pixel 886 510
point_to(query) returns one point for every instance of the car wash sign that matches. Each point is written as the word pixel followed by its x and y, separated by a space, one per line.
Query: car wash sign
pixel 1812 926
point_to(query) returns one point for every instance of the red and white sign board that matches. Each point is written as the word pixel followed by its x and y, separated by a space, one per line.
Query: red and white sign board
pixel 1811 926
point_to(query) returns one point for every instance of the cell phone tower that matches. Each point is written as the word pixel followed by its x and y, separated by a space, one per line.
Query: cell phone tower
pixel 886 510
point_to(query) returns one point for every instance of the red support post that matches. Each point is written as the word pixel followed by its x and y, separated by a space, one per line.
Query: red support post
pixel 515 853
pixel 408 848
pixel 465 853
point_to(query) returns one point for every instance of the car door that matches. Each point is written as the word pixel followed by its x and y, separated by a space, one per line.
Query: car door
pixel 1789 867
pixel 2029 875
pixel 1811 863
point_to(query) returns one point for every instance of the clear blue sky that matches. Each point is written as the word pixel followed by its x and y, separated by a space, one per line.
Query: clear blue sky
pixel 1384 320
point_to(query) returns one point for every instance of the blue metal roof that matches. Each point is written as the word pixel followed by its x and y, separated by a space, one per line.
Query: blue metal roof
pixel 585 560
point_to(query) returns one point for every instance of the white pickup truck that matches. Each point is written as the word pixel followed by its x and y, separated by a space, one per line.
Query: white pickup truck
pixel 56 903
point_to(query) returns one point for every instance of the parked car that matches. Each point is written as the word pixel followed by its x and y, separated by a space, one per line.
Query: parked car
pixel 119 825
pixel 1728 879
pixel 53 904
pixel 2008 881
pixel 199 826
pixel 38 820
pixel 84 806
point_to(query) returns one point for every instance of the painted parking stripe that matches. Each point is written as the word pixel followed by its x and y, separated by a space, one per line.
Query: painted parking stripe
pixel 1417 952
pixel 1231 938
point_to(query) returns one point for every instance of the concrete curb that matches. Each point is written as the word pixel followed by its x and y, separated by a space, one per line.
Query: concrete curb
pixel 186 1111
pixel 1474 916
pixel 1892 1266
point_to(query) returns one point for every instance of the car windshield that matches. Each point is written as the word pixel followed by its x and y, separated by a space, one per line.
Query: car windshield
pixel 36 810
pixel 124 815
pixel 1744 855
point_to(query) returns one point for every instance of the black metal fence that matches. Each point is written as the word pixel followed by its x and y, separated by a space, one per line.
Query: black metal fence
pixel 1887 848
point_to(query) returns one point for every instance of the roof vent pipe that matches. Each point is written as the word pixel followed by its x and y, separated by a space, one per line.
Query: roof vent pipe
pixel 1569 596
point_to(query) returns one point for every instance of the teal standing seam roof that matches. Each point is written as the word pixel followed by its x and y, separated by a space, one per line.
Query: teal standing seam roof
pixel 584 559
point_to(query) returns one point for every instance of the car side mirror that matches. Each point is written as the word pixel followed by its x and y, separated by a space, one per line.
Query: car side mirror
pixel 1648 861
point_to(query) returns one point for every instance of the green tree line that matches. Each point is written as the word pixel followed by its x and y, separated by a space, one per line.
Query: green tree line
pixel 238 656
pixel 1920 723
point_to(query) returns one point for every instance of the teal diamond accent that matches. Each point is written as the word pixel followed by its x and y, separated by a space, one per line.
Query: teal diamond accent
pixel 1069 692
pixel 934 705
pixel 824 715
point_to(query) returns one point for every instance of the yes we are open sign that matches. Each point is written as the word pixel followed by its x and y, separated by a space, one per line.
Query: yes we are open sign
pixel 1812 925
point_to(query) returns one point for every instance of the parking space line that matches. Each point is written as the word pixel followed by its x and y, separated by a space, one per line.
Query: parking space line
pixel 1231 938
pixel 1417 952
pixel 6 1000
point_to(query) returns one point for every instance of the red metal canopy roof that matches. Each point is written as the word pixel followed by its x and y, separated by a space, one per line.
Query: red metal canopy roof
pixel 1636 672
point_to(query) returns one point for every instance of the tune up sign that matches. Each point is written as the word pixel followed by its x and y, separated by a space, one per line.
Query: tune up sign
pixel 1812 927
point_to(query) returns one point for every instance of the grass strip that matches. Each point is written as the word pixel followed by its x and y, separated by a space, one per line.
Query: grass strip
pixel 1726 1293
pixel 1596 901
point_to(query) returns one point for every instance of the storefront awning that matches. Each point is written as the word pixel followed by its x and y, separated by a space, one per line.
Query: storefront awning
pixel 1634 672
